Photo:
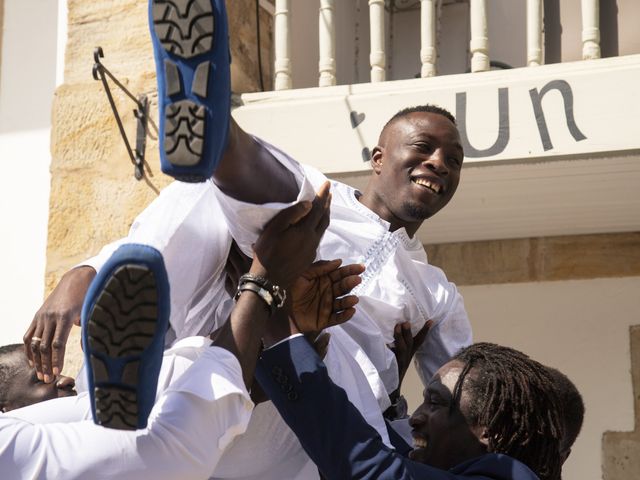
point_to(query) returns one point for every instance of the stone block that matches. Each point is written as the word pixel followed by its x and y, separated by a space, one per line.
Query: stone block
pixel 539 259
pixel 621 450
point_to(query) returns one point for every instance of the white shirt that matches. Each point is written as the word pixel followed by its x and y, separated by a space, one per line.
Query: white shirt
pixel 192 225
pixel 398 285
pixel 202 406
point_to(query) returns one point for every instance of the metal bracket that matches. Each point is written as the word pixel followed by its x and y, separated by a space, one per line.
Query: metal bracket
pixel 141 112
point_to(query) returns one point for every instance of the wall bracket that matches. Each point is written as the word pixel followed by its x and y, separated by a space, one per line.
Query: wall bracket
pixel 141 112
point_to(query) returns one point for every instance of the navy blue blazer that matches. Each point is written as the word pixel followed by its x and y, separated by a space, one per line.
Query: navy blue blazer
pixel 335 435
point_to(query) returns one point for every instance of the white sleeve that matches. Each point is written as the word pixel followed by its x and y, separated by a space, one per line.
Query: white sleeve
pixel 97 261
pixel 450 333
pixel 246 220
pixel 185 224
pixel 189 428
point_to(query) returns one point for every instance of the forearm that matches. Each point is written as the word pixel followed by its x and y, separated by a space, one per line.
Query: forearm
pixel 241 337
pixel 250 173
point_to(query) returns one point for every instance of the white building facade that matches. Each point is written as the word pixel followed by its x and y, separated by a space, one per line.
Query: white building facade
pixel 542 235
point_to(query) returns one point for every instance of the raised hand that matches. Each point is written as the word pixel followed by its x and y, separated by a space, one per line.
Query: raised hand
pixel 318 296
pixel 288 243
pixel 406 345
pixel 46 338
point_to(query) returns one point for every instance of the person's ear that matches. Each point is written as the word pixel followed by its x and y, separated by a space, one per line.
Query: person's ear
pixel 376 159
pixel 484 437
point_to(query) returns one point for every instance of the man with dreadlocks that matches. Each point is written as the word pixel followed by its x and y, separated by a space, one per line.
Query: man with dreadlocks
pixel 489 413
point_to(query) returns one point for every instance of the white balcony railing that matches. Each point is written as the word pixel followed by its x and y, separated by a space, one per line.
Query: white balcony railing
pixel 429 11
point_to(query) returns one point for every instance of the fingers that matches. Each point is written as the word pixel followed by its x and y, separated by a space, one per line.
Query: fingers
pixel 345 303
pixel 311 211
pixel 287 217
pixel 405 329
pixel 323 223
pixel 45 352
pixel 319 214
pixel 347 270
pixel 58 349
pixel 34 346
pixel 345 285
pixel 402 339
pixel 65 382
pixel 27 341
pixel 418 340
pixel 342 317
pixel 322 267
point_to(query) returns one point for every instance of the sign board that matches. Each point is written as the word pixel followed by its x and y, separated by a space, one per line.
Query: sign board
pixel 560 110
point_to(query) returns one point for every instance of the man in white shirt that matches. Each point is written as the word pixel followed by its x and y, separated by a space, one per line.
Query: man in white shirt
pixel 186 225
pixel 418 154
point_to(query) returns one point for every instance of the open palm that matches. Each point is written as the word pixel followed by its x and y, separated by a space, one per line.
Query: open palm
pixel 319 297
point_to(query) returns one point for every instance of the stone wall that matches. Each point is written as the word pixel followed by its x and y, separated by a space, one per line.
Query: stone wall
pixel 94 195
pixel 621 450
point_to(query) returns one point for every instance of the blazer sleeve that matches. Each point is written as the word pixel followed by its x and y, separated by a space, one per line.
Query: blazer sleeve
pixel 331 430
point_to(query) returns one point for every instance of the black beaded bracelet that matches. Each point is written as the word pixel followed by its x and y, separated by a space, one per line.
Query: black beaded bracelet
pixel 265 295
pixel 273 295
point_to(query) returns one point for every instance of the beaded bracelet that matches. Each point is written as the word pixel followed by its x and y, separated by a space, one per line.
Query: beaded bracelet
pixel 271 294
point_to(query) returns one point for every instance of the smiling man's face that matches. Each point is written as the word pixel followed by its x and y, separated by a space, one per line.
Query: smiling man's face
pixel 443 437
pixel 416 168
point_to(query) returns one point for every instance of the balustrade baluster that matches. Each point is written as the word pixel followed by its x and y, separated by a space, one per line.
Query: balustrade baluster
pixel 428 38
pixel 327 64
pixel 534 33
pixel 590 29
pixel 377 55
pixel 282 21
pixel 479 44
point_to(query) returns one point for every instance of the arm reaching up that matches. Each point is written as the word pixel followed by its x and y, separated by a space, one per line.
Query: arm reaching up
pixel 284 250
pixel 46 337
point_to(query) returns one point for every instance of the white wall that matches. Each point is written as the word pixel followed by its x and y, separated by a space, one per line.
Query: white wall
pixel 580 327
pixel 29 71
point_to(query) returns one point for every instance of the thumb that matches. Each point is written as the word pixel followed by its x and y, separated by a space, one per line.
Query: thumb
pixel 289 216
pixel 421 335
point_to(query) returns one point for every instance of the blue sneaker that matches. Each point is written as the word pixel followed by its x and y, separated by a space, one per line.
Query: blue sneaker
pixel 191 47
pixel 125 317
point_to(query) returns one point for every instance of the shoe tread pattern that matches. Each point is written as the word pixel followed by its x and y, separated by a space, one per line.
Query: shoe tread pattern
pixel 122 325
pixel 185 123
pixel 116 407
pixel 185 27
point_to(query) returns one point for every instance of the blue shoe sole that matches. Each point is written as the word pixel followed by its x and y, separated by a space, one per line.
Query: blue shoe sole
pixel 125 317
pixel 191 48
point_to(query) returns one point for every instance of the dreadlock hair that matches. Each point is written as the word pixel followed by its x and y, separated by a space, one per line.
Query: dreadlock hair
pixel 572 408
pixel 514 398
pixel 11 362
pixel 427 108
